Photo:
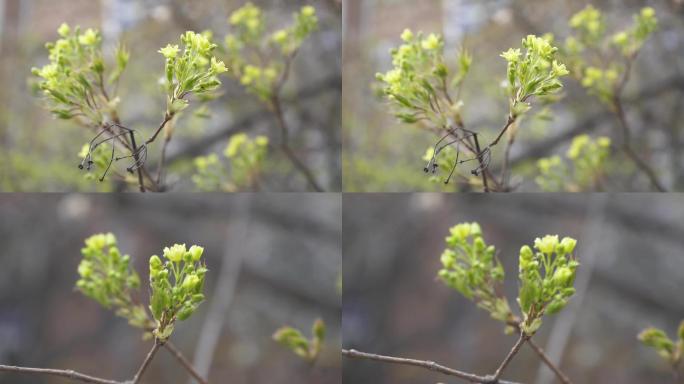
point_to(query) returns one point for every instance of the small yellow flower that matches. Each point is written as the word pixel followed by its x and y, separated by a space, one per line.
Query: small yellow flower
pixel 170 51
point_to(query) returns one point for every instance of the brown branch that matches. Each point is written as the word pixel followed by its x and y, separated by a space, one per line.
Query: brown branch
pixel 285 146
pixel 184 362
pixel 629 151
pixel 167 118
pixel 542 355
pixel 521 340
pixel 146 363
pixel 66 373
pixel 430 365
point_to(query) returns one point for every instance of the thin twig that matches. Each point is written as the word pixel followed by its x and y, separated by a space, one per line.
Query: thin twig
pixel 521 340
pixel 147 361
pixel 542 355
pixel 184 362
pixel 66 373
pixel 629 151
pixel 285 146
pixel 167 118
pixel 430 365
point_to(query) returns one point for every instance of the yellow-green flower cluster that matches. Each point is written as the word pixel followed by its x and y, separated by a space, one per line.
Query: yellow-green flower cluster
pixel 602 76
pixel 191 68
pixel 587 159
pixel 295 341
pixel 247 157
pixel 470 266
pixel 106 276
pixel 259 59
pixel 417 85
pixel 590 26
pixel 176 286
pixel 671 351
pixel 73 81
pixel 546 277
pixel 536 72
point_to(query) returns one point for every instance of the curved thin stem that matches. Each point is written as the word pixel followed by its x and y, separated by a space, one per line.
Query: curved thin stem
pixel 542 355
pixel 184 362
pixel 66 373
pixel 148 360
pixel 285 146
pixel 430 365
pixel 521 340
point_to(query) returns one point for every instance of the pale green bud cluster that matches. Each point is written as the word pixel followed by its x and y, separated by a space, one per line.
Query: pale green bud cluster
pixel 470 266
pixel 418 84
pixel 546 278
pixel 532 73
pixel 671 351
pixel 591 41
pixel 190 68
pixel 293 339
pixel 247 157
pixel 258 59
pixel 587 160
pixel 176 286
pixel 73 82
pixel 106 276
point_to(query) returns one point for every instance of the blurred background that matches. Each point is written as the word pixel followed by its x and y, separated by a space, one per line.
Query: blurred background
pixel 631 276
pixel 272 262
pixel 382 154
pixel 39 153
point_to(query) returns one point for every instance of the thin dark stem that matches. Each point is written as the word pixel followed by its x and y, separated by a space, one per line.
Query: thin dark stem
pixel 184 362
pixel 509 122
pixel 66 373
pixel 629 151
pixel 167 118
pixel 506 159
pixel 148 360
pixel 430 365
pixel 521 340
pixel 141 183
pixel 479 160
pixel 542 355
pixel 285 146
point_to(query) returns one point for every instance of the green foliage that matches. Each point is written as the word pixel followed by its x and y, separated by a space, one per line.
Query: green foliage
pixel 417 85
pixel 190 69
pixel 247 157
pixel 176 286
pixel 546 279
pixel 260 60
pixel 536 72
pixel 294 340
pixel 73 81
pixel 106 276
pixel 584 169
pixel 600 60
pixel 668 349
pixel 470 266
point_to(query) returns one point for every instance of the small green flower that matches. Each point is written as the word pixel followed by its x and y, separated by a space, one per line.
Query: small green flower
pixel 90 37
pixel 170 51
pixel 175 253
pixel 294 340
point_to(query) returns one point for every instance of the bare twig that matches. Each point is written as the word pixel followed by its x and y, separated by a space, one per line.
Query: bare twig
pixel 66 373
pixel 285 146
pixel 146 363
pixel 521 340
pixel 430 365
pixel 540 352
pixel 167 118
pixel 184 362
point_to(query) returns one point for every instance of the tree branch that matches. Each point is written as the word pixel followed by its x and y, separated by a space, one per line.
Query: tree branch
pixel 184 362
pixel 146 363
pixel 542 355
pixel 430 365
pixel 66 373
pixel 285 146
pixel 521 340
